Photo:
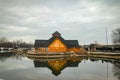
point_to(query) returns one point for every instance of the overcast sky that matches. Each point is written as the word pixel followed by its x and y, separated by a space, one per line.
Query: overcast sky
pixel 83 20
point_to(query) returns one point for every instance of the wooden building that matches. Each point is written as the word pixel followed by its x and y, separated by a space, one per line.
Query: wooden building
pixel 56 44
pixel 104 48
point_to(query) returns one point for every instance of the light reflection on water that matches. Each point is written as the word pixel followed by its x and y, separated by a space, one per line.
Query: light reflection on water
pixel 14 67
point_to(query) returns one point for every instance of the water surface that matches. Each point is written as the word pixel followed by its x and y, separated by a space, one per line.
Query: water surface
pixel 14 67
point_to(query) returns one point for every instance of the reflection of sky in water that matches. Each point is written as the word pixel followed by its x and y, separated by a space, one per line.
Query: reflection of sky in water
pixel 12 64
pixel 23 69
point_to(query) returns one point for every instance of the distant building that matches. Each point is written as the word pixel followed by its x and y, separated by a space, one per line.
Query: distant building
pixel 56 44
pixel 106 48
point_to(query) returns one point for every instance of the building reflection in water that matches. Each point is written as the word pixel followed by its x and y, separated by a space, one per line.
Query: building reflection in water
pixel 56 66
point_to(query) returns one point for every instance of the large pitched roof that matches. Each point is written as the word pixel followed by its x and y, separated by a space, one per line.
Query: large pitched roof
pixel 54 37
pixel 72 43
pixel 46 43
pixel 41 43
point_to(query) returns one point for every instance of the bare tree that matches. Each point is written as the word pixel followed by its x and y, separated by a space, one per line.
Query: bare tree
pixel 116 36
pixel 3 40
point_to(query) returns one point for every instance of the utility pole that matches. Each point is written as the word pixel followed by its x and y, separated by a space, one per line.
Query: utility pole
pixel 106 36
pixel 107 45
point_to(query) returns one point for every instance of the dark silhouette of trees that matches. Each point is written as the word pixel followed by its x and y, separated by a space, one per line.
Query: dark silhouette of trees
pixel 116 36
pixel 4 42
pixel 116 70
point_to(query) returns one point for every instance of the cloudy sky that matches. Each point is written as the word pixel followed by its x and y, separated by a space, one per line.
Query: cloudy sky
pixel 84 20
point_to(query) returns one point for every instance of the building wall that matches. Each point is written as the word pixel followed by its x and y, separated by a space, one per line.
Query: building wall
pixel 41 49
pixel 57 46
pixel 73 49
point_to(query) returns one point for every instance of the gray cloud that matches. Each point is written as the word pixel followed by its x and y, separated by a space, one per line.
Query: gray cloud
pixel 84 20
